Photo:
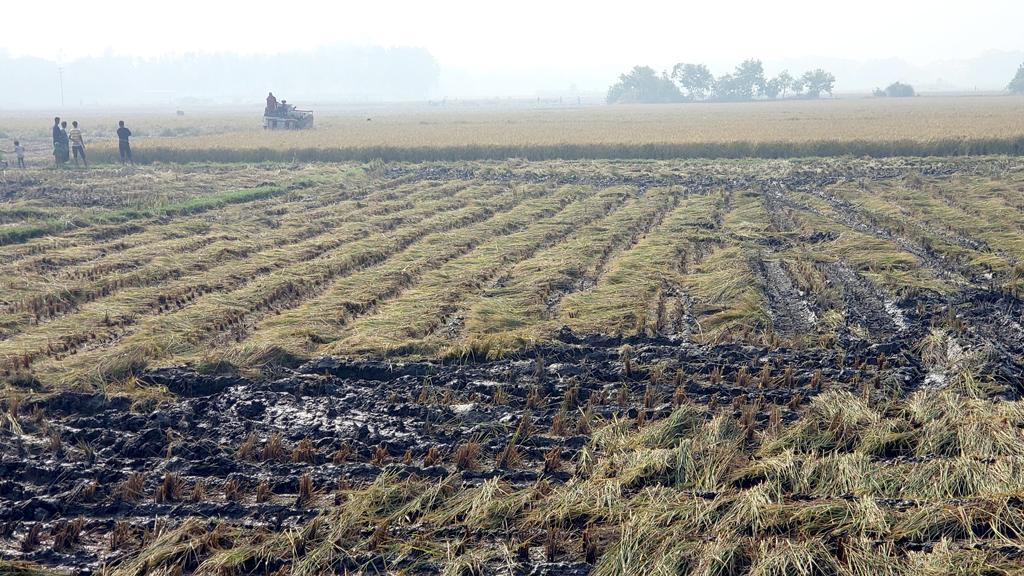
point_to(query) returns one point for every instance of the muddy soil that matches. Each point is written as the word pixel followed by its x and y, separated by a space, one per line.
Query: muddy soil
pixel 236 448
pixel 863 303
pixel 790 313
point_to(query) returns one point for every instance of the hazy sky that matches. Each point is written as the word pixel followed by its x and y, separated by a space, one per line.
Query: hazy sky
pixel 481 35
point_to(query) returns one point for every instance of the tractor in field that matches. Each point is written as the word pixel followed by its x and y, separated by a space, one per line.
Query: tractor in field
pixel 284 116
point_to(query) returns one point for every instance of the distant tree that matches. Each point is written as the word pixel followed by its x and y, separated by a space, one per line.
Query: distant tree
pixel 696 80
pixel 817 81
pixel 746 82
pixel 798 85
pixel 778 86
pixel 1017 84
pixel 896 90
pixel 751 73
pixel 785 81
pixel 727 88
pixel 643 84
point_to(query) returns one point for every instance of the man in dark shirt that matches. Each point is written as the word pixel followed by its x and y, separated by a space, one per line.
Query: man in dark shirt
pixel 122 143
pixel 58 143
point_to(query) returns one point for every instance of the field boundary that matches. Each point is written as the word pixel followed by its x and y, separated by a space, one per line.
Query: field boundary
pixel 146 154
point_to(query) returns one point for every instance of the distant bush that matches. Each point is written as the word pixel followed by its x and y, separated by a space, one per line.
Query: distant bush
pixel 1017 84
pixel 643 85
pixel 896 90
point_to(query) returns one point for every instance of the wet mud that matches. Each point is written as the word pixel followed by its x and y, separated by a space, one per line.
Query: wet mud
pixel 791 315
pixel 238 448
pixel 864 304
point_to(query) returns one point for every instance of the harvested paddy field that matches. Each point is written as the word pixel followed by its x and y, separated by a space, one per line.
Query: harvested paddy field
pixel 708 367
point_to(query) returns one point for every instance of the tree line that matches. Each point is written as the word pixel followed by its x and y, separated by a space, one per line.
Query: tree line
pixel 696 83
pixel 330 73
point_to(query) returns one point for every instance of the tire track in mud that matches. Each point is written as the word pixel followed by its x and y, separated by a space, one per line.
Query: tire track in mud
pixel 989 329
pixel 944 231
pixel 673 310
pixel 963 236
pixel 864 302
pixel 971 342
pixel 986 323
pixel 988 326
pixel 683 317
pixel 851 217
pixel 791 315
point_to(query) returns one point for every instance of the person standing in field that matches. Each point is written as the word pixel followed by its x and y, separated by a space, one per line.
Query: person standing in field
pixel 66 142
pixel 271 105
pixel 123 146
pixel 19 154
pixel 77 143
pixel 58 143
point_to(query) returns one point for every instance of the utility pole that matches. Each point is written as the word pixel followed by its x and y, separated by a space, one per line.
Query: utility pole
pixel 60 75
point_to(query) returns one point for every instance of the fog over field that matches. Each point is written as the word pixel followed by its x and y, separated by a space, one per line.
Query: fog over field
pixel 115 54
